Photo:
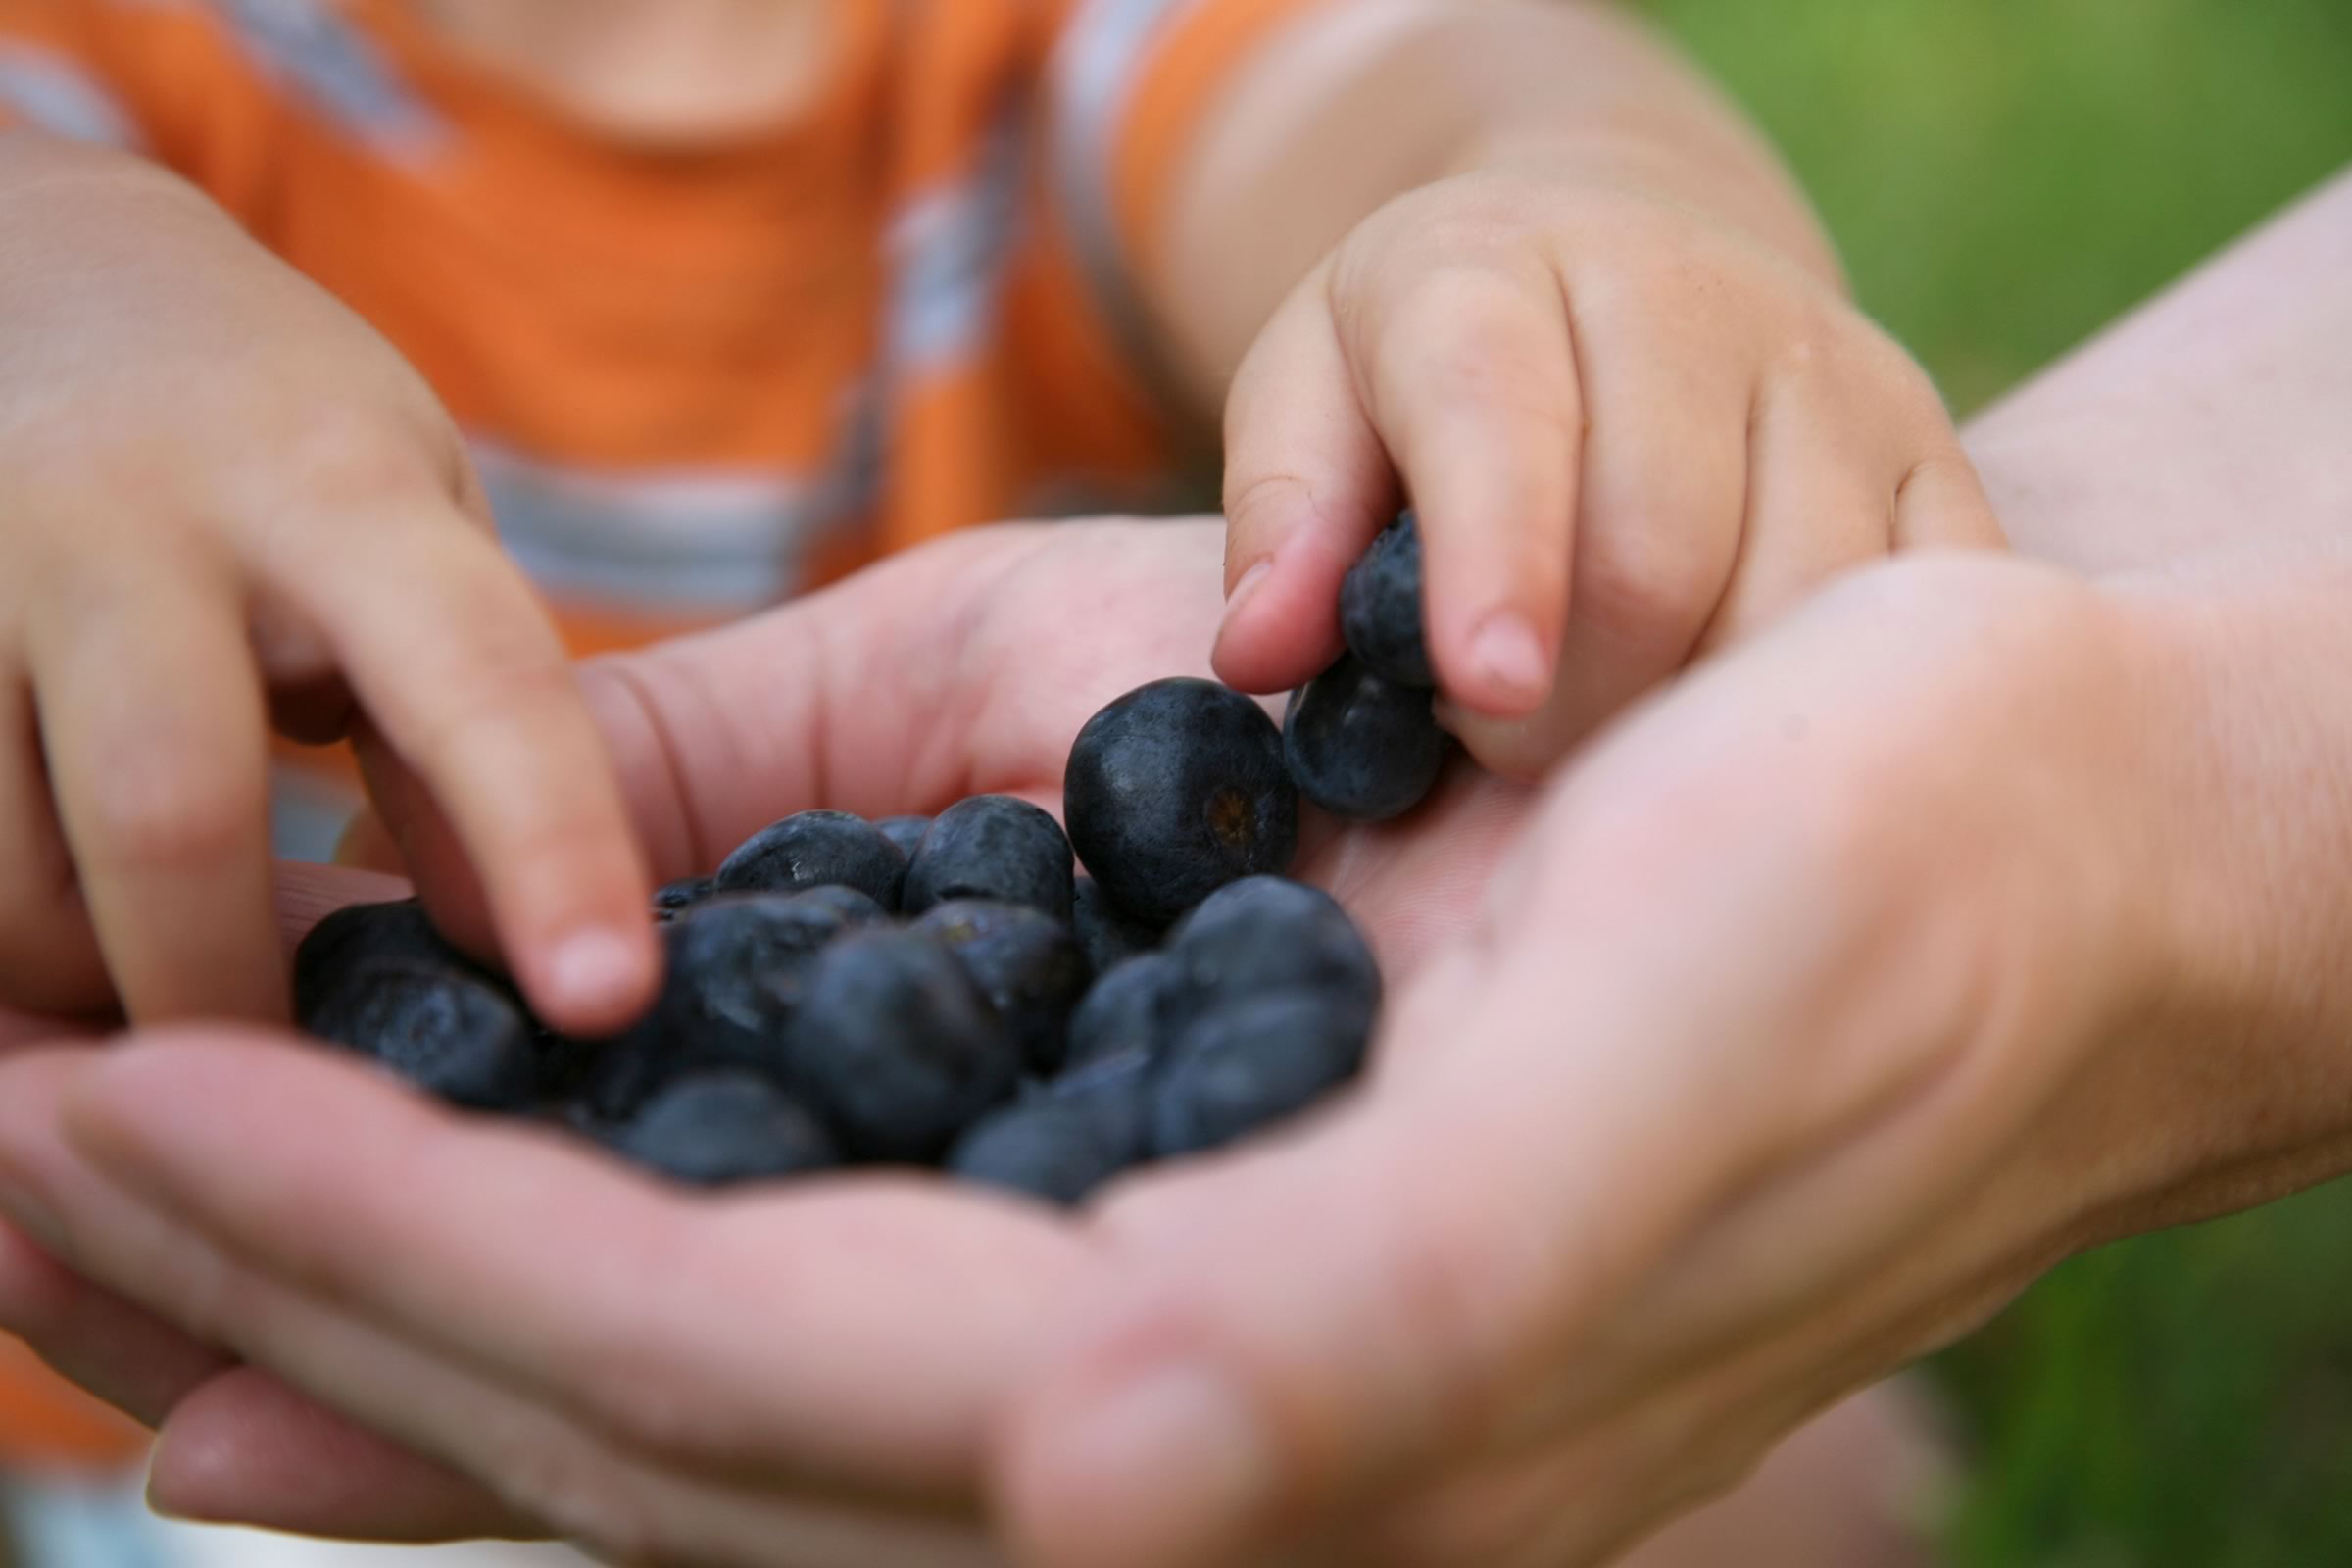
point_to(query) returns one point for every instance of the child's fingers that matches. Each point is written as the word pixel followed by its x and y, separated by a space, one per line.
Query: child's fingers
pixel 1306 487
pixel 49 958
pixel 1469 369
pixel 153 723
pixel 1820 499
pixel 1664 481
pixel 459 670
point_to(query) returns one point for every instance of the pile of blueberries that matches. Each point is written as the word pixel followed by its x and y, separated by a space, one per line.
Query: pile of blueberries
pixel 950 990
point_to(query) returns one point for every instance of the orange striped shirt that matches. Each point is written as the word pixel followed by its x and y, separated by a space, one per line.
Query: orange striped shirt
pixel 696 382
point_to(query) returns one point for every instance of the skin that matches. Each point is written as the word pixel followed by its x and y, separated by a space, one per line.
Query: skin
pixel 1566 233
pixel 1791 1040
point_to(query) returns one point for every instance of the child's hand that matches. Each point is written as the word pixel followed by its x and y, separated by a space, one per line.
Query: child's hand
pixel 1631 433
pixel 228 503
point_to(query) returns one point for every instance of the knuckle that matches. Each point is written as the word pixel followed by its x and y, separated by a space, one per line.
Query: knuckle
pixel 171 812
pixel 1665 573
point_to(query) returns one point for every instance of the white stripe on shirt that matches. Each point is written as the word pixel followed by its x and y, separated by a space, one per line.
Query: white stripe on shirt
pixel 52 94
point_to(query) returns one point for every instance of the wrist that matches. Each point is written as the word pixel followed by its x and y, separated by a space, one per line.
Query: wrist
pixel 2223 1063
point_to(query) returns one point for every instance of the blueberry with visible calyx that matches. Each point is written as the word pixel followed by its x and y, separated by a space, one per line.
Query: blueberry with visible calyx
pixel 1062 1144
pixel 1107 937
pixel 676 898
pixel 896 1047
pixel 1380 606
pixel 992 846
pixel 1026 964
pixel 447 1032
pixel 1361 746
pixel 1173 790
pixel 718 1128
pixel 361 934
pixel 814 850
pixel 1132 1007
pixel 904 832
pixel 1269 934
pixel 1252 1063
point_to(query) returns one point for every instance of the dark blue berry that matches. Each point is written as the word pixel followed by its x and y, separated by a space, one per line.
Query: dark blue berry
pixel 992 846
pixel 1253 1062
pixel 1025 962
pixel 1132 1007
pixel 1175 789
pixel 1107 937
pixel 445 1031
pixel 361 934
pixel 845 904
pixel 906 832
pixel 1380 606
pixel 814 850
pixel 717 1129
pixel 1062 1144
pixel 1270 934
pixel 894 1044
pixel 676 898
pixel 737 964
pixel 1361 746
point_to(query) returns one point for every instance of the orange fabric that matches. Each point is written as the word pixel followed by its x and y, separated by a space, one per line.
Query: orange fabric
pixel 1188 66
pixel 45 1421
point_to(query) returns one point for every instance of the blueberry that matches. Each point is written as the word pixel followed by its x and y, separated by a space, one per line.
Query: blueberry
pixel 715 1128
pixel 1130 1008
pixel 737 964
pixel 561 1066
pixel 814 850
pixel 1025 962
pixel 1380 606
pixel 1253 1062
pixel 1176 789
pixel 1361 746
pixel 845 904
pixel 904 831
pixel 992 846
pixel 360 934
pixel 1062 1143
pixel 894 1044
pixel 1270 934
pixel 448 1032
pixel 678 897
pixel 1105 935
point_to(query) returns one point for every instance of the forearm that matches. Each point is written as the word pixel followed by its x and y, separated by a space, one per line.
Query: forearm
pixel 1365 100
pixel 2194 461
pixel 2209 427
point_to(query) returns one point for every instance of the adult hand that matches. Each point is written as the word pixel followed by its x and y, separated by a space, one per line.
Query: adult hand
pixel 704 1432
pixel 1645 1175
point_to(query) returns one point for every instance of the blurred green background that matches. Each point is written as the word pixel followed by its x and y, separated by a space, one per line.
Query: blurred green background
pixel 2006 176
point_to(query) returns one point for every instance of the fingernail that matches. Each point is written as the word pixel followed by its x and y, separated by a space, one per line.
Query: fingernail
pixel 1511 655
pixel 596 971
pixel 1180 1451
pixel 1250 581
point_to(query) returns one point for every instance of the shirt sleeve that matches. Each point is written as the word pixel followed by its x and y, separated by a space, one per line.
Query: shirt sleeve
pixel 1128 84
pixel 171 79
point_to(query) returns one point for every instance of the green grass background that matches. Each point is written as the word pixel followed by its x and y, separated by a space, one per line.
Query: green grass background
pixel 2005 176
